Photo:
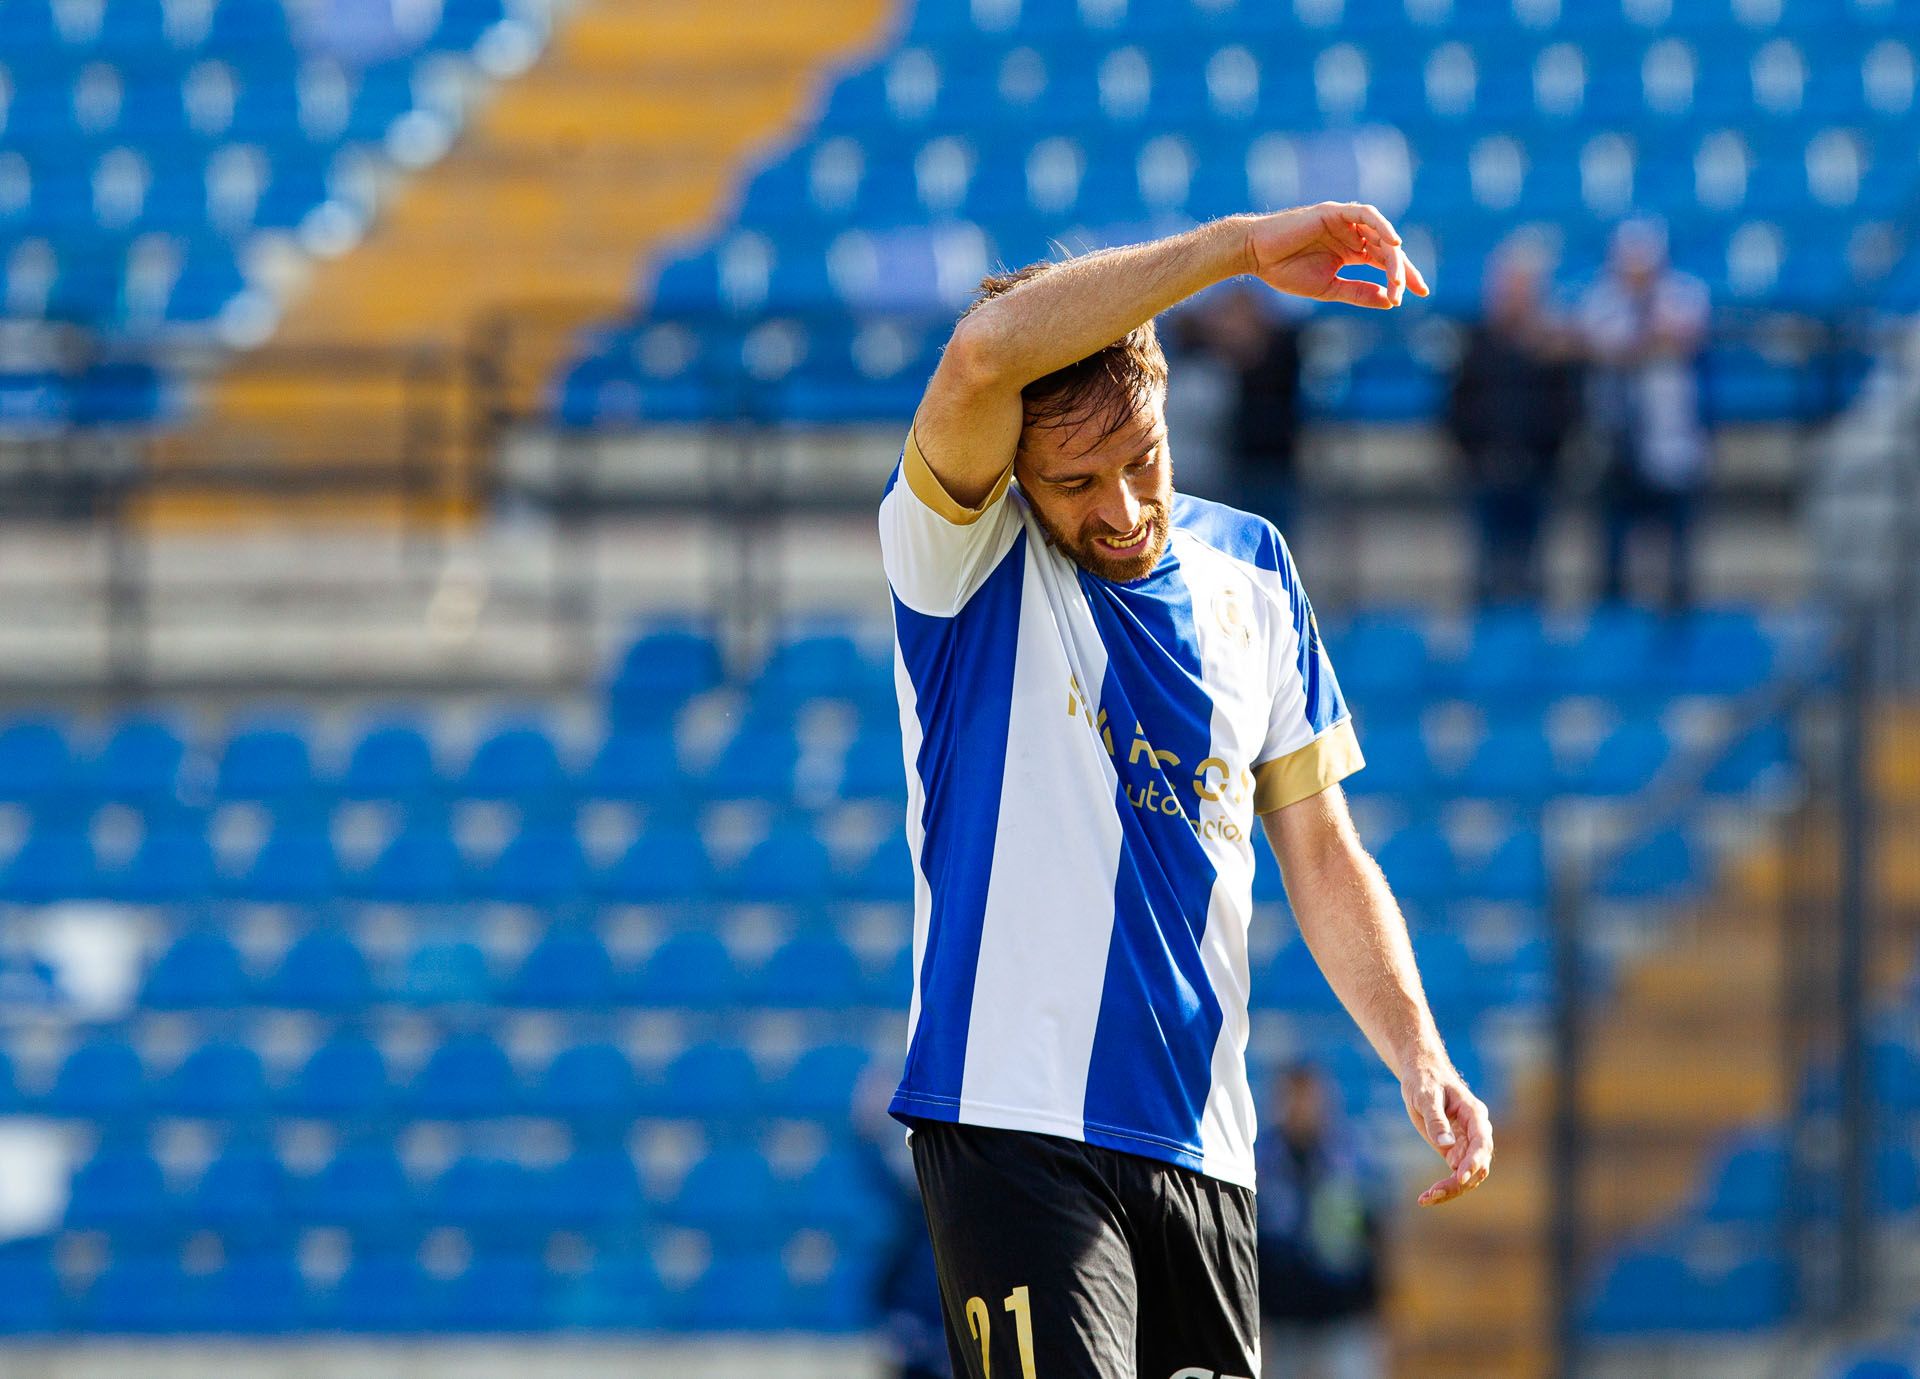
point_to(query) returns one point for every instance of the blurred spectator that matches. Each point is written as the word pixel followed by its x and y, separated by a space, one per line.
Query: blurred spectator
pixel 1645 326
pixel 1514 401
pixel 1319 1241
pixel 907 1292
pixel 1238 328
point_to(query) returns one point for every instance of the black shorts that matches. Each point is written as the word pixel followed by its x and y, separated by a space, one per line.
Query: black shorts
pixel 1063 1260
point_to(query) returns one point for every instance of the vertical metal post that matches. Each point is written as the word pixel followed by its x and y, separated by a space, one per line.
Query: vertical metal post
pixel 1856 1105
pixel 1565 1176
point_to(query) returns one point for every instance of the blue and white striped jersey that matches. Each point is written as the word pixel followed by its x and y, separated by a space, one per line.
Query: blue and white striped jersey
pixel 1085 761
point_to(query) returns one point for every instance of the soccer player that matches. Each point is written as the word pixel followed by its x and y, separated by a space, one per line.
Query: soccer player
pixel 1102 685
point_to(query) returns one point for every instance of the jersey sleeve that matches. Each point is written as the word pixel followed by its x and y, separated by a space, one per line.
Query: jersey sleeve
pixel 1310 740
pixel 935 551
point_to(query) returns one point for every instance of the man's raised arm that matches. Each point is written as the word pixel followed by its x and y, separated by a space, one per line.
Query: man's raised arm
pixel 968 424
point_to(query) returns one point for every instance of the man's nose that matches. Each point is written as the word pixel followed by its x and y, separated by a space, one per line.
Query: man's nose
pixel 1119 509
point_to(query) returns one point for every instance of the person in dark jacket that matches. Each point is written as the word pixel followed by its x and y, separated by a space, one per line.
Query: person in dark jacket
pixel 1515 400
pixel 1319 1241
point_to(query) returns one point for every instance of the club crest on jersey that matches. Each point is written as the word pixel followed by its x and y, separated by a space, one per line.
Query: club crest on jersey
pixel 1231 617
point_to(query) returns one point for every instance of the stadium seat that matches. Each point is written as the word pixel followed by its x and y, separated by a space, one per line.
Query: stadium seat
pixel 710 1081
pixel 174 864
pixel 790 864
pixel 200 969
pixel 221 1077
pixel 55 862
pixel 591 1082
pixel 886 874
pixel 617 1292
pixel 515 761
pixel 692 968
pixel 446 972
pixel 344 1077
pixel 667 862
pixel 322 970
pixel 140 762
pixel 809 971
pixel 244 1195
pixel 120 1190
pixel 1662 864
pixel 661 670
pixel 266 761
pixel 296 864
pixel 542 864
pixel 36 761
pixel 362 1187
pixel 728 1194
pixel 468 1075
pixel 101 1079
pixel 393 760
pixel 568 967
pixel 421 865
pixel 31 1303
pixel 594 1190
pixel 640 764
pixel 821 1082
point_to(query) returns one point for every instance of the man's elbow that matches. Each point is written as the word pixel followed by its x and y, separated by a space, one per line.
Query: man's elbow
pixel 976 357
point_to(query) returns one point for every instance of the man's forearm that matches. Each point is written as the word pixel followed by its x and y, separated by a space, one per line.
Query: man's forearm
pixel 1087 303
pixel 1357 934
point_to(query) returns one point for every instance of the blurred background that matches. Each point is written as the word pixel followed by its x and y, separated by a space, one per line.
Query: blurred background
pixel 455 904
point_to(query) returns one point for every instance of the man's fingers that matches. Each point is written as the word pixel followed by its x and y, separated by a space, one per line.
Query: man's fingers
pixel 1360 213
pixel 1357 292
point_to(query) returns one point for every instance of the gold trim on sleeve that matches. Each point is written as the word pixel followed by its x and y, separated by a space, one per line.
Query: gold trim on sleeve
pixel 929 490
pixel 1330 757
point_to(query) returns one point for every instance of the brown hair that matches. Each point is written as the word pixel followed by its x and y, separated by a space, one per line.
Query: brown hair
pixel 1105 387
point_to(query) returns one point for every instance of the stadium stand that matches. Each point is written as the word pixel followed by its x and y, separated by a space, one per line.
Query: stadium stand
pixel 990 130
pixel 361 1017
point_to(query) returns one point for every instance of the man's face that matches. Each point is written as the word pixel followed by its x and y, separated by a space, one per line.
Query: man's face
pixel 1103 500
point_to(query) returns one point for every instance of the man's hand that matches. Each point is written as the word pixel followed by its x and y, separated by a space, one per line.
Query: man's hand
pixel 1301 252
pixel 1454 1121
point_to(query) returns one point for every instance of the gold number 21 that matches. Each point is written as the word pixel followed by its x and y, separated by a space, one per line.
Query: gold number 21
pixel 980 1323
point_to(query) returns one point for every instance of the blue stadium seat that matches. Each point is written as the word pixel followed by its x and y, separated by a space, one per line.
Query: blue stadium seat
pixel 587 1082
pixel 709 1081
pixel 640 764
pixel 730 1194
pixel 266 761
pixel 254 1294
pixel 568 967
pixel 1749 1185
pixel 823 665
pixel 1419 863
pixel 174 864
pixel 321 970
pixel 120 1190
pixel 1380 658
pixel 344 1077
pixel 140 761
pixel 1724 651
pixel 200 969
pixel 484 1195
pixel 101 1079
pixel 886 874
pixel 1398 763
pixel 1626 761
pixel 1516 870
pixel 617 1292
pixel 1614 653
pixel 54 863
pixel 36 761
pixel 244 1195
pixel 515 761
pixel 380 1294
pixel 850 1193
pixel 362 1187
pixel 757 764
pixel 295 864
pixel 810 971
pixel 875 766
pixel 141 1294
pixel 542 864
pixel 594 1189
pixel 1662 865
pixel 421 865
pixel 219 1078
pixel 468 1075
pixel 821 1082
pixel 661 671
pixel 30 1294
pixel 1515 761
pixel 666 862
pixel 393 760
pixel 1762 753
pixel 790 863
pixel 1649 1291
pixel 690 968
pixel 446 972
pixel 495 1293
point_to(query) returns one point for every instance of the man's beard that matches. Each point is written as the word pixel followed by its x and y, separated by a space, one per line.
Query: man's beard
pixel 1086 551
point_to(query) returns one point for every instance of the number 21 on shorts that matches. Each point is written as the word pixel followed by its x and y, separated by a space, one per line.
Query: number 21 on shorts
pixel 980 1323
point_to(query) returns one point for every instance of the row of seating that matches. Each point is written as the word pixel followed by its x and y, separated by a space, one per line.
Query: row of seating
pixel 248 1192
pixel 266 1293
pixel 467 1076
